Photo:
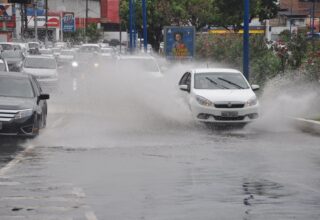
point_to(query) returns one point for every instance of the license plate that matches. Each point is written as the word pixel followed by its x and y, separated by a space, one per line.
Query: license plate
pixel 229 114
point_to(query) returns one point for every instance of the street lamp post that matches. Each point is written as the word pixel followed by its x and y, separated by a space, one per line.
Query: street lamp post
pixel 46 37
pixel 131 24
pixel 246 36
pixel 35 8
pixel 145 33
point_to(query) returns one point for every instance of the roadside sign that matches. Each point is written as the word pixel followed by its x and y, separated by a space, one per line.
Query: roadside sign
pixel 5 12
pixel 179 42
pixel 68 22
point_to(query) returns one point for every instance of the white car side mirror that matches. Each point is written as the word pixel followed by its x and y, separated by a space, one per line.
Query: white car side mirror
pixel 184 87
pixel 255 87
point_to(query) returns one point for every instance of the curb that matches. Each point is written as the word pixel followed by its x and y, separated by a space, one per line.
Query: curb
pixel 310 126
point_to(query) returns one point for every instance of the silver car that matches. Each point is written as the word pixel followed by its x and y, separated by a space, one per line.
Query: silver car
pixel 45 70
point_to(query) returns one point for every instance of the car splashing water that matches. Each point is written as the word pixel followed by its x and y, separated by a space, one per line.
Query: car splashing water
pixel 110 104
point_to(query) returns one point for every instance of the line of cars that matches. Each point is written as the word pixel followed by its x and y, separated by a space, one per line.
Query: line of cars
pixel 23 105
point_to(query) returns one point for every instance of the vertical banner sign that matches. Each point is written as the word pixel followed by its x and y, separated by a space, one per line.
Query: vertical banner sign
pixel 179 42
pixel 68 22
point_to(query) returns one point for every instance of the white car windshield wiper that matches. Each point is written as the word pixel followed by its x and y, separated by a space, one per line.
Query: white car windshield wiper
pixel 215 83
pixel 231 83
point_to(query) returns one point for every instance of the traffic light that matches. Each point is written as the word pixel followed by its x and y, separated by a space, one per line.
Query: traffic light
pixel 20 1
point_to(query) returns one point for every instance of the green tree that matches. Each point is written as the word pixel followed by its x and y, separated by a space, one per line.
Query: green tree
pixel 198 13
pixel 230 13
pixel 93 33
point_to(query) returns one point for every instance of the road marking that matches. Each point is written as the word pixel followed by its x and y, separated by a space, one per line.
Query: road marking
pixel 74 84
pixel 15 161
pixel 91 216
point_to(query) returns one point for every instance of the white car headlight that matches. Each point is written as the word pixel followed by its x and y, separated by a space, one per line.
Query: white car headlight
pixel 251 102
pixel 74 64
pixel 24 113
pixel 203 101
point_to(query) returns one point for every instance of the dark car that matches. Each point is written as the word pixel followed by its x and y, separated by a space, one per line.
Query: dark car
pixel 23 107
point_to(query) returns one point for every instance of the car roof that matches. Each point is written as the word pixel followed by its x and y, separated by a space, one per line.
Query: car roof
pixel 135 57
pixel 40 57
pixel 91 45
pixel 215 70
pixel 14 74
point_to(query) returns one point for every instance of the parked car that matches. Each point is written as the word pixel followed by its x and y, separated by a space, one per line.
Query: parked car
pixel 220 96
pixel 23 106
pixel 44 69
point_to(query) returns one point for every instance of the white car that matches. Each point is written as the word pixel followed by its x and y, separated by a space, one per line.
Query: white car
pixel 144 64
pixel 66 56
pixel 219 95
pixel 45 70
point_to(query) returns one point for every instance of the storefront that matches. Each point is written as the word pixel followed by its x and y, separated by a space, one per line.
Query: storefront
pixel 53 27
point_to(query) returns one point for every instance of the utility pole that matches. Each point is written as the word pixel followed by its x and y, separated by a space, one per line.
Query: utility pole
pixel 47 9
pixel 25 18
pixel 145 33
pixel 22 20
pixel 291 17
pixel 312 25
pixel 246 36
pixel 61 25
pixel 131 24
pixel 313 16
pixel 35 8
pixel 87 14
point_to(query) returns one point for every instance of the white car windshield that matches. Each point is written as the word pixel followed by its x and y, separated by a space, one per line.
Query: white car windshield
pixel 15 87
pixel 219 81
pixel 40 63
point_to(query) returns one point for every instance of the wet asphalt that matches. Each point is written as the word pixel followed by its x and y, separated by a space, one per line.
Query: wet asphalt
pixel 108 153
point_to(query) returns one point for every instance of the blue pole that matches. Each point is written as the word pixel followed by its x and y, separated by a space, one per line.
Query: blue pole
pixel 134 24
pixel 145 33
pixel 246 39
pixel 130 25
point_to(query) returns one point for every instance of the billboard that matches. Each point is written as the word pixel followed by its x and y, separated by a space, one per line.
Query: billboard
pixel 5 12
pixel 68 22
pixel 179 42
pixel 53 21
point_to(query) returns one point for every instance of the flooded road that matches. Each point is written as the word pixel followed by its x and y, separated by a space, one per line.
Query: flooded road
pixel 112 150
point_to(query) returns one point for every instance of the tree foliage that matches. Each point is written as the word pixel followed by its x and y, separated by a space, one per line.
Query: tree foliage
pixel 230 13
pixel 199 13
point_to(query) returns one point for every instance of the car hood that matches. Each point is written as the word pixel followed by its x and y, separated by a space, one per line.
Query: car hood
pixel 40 72
pixel 66 57
pixel 10 103
pixel 226 95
